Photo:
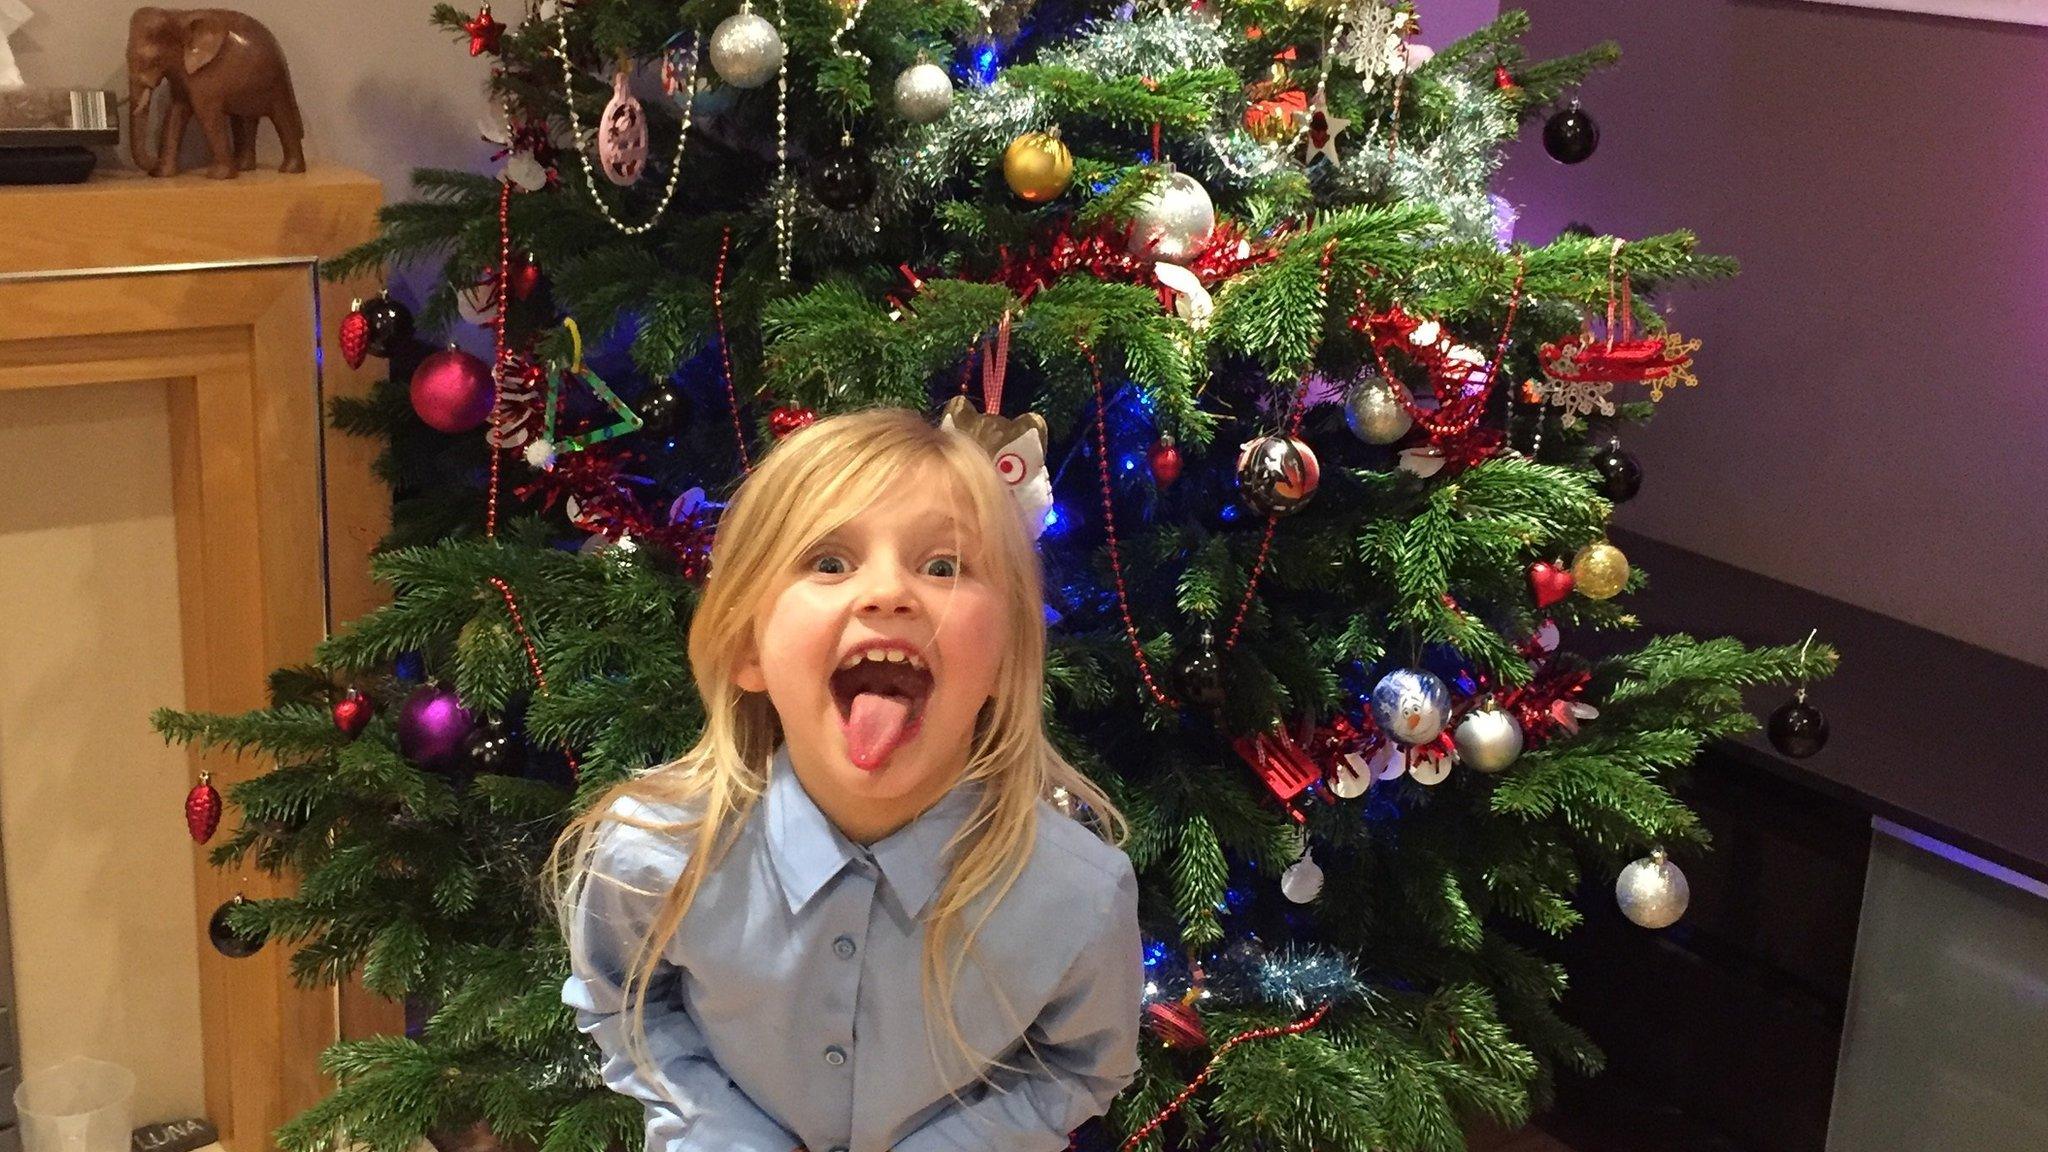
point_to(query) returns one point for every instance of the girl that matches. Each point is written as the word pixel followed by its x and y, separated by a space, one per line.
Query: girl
pixel 768 934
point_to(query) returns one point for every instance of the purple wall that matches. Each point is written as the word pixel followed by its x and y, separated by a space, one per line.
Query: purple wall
pixel 1872 421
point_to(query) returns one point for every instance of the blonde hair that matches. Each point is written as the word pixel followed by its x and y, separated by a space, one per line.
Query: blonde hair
pixel 809 484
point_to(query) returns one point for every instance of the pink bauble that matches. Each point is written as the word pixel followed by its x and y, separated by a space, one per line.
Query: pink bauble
pixel 451 390
pixel 432 724
pixel 622 134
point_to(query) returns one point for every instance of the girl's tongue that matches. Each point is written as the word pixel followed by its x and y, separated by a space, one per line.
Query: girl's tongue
pixel 881 706
pixel 877 724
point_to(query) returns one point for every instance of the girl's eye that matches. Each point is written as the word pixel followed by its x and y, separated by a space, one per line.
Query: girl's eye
pixel 951 564
pixel 828 558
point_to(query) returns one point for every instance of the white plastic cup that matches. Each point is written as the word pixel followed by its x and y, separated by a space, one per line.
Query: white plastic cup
pixel 78 1105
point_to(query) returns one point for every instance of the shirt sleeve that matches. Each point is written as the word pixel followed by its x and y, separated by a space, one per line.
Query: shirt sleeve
pixel 692 1106
pixel 1086 1038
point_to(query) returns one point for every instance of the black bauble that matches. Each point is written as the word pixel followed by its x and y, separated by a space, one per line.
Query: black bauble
pixel 225 939
pixel 1620 476
pixel 492 746
pixel 1798 729
pixel 1570 136
pixel 390 323
pixel 663 409
pixel 1201 674
pixel 843 179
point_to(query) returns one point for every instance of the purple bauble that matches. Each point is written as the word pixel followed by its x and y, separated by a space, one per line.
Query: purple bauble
pixel 451 390
pixel 432 724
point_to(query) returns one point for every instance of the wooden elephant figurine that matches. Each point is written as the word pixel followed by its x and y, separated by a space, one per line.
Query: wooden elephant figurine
pixel 224 69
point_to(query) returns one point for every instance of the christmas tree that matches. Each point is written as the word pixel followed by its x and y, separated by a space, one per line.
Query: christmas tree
pixel 1331 464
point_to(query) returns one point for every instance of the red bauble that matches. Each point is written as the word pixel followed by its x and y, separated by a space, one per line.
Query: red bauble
pixel 1273 119
pixel 352 711
pixel 451 391
pixel 202 808
pixel 786 419
pixel 1505 80
pixel 1176 1024
pixel 484 31
pixel 355 335
pixel 1165 462
pixel 1549 583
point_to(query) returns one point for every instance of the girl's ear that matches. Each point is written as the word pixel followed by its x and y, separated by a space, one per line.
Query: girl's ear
pixel 746 671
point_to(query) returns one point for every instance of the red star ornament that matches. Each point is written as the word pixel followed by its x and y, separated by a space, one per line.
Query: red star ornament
pixel 484 31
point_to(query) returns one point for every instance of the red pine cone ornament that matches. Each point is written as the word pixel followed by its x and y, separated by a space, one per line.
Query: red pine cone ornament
pixel 355 335
pixel 352 712
pixel 1165 461
pixel 786 419
pixel 202 809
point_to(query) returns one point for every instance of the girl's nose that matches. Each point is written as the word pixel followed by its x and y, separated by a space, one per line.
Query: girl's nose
pixel 886 591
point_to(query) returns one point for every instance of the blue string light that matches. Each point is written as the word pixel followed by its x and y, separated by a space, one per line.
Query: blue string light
pixel 983 63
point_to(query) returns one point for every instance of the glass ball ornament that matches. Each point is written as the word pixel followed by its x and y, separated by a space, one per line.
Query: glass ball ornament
pixel 842 179
pixel 432 726
pixel 1174 220
pixel 924 93
pixel 1373 413
pixel 1037 166
pixel 1652 892
pixel 1411 705
pixel 1798 729
pixel 1599 570
pixel 1620 476
pixel 1303 879
pixel 1276 475
pixel 390 323
pixel 745 49
pixel 493 747
pixel 452 391
pixel 1570 136
pixel 226 940
pixel 1488 740
pixel 1201 674
pixel 663 409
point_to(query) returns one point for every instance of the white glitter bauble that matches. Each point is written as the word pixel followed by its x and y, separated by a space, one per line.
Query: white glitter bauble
pixel 1488 740
pixel 1374 413
pixel 1174 219
pixel 1303 880
pixel 745 49
pixel 1652 892
pixel 923 93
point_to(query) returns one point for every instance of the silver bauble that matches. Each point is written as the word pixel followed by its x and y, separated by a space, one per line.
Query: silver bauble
pixel 1652 892
pixel 1374 412
pixel 1174 219
pixel 923 93
pixel 745 49
pixel 1303 880
pixel 1488 740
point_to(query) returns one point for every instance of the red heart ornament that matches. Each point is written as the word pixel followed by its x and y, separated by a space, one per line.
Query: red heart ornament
pixel 1549 583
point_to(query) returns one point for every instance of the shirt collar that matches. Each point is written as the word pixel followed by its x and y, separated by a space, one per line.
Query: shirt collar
pixel 808 850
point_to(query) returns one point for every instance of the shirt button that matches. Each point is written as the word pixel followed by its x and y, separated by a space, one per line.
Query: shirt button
pixel 843 946
pixel 835 1055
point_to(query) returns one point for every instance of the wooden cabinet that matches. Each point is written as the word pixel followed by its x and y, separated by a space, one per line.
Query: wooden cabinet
pixel 208 290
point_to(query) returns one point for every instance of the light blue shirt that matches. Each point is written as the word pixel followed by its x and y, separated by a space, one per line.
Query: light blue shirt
pixel 787 1008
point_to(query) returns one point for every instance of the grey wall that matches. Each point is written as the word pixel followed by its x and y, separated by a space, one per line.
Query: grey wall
pixel 1872 421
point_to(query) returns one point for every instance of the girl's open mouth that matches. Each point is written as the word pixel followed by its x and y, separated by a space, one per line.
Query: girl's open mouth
pixel 881 708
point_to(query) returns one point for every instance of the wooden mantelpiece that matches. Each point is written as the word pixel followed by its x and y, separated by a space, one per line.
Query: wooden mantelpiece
pixel 211 288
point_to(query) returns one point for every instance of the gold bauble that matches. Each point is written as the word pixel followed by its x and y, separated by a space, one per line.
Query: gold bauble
pixel 1599 570
pixel 1037 166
